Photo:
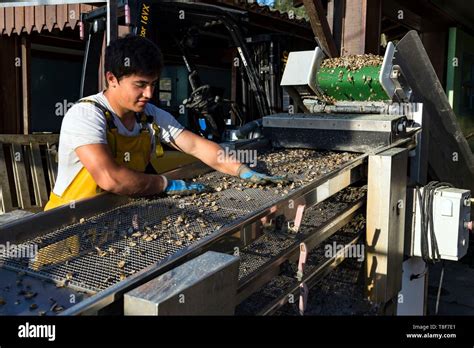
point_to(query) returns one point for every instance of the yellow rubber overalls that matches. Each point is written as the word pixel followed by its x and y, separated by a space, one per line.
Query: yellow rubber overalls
pixel 133 152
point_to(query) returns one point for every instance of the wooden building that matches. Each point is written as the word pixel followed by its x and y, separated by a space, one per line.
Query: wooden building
pixel 42 52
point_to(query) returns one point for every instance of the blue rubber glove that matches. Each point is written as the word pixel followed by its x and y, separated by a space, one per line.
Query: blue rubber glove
pixel 248 174
pixel 180 187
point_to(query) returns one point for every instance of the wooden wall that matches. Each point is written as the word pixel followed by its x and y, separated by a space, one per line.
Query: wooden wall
pixel 11 107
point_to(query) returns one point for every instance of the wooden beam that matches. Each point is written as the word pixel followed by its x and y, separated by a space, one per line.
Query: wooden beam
pixel 330 16
pixel 26 139
pixel 25 82
pixel 373 26
pixel 321 29
pixel 361 32
pixel 335 17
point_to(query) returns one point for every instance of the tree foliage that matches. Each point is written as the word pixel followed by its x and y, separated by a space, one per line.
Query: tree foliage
pixel 286 6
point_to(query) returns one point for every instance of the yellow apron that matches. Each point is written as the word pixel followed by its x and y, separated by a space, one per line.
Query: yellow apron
pixel 132 152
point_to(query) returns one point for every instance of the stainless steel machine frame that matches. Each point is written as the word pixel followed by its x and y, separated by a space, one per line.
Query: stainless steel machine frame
pixel 245 230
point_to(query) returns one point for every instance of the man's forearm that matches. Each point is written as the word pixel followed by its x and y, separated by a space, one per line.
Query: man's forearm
pixel 208 152
pixel 216 157
pixel 132 183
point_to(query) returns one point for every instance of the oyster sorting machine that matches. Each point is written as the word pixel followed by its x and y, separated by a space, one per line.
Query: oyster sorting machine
pixel 369 127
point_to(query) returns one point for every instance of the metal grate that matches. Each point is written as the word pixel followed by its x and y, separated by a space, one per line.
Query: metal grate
pixel 271 244
pixel 345 277
pixel 100 251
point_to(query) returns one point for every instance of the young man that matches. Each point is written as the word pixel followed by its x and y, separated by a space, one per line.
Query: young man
pixel 107 139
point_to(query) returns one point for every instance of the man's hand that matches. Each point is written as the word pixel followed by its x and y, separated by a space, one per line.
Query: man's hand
pixel 182 188
pixel 246 173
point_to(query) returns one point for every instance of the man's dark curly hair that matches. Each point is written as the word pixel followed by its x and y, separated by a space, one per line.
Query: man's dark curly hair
pixel 133 55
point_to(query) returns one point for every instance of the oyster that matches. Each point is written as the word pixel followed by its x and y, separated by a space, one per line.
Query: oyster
pixel 30 294
pixel 100 252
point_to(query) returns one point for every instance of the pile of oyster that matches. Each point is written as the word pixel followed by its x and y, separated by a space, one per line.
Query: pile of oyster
pixel 352 62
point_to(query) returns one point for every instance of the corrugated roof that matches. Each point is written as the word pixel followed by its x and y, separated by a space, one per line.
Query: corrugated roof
pixel 26 19
pixel 16 20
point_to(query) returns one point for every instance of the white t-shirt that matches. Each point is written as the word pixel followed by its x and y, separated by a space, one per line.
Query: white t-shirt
pixel 85 124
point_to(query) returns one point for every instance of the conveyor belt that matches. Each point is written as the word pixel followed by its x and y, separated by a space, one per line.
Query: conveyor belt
pixel 102 250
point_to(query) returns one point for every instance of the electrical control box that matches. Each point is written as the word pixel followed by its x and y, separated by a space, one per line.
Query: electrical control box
pixel 451 213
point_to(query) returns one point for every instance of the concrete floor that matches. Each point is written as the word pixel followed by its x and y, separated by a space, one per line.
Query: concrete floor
pixel 457 294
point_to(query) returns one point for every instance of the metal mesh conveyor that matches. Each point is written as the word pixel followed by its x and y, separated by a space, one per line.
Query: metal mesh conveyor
pixel 104 249
pixel 272 243
pixel 281 284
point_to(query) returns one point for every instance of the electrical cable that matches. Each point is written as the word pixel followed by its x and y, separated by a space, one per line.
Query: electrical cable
pixel 428 236
pixel 429 244
pixel 439 288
